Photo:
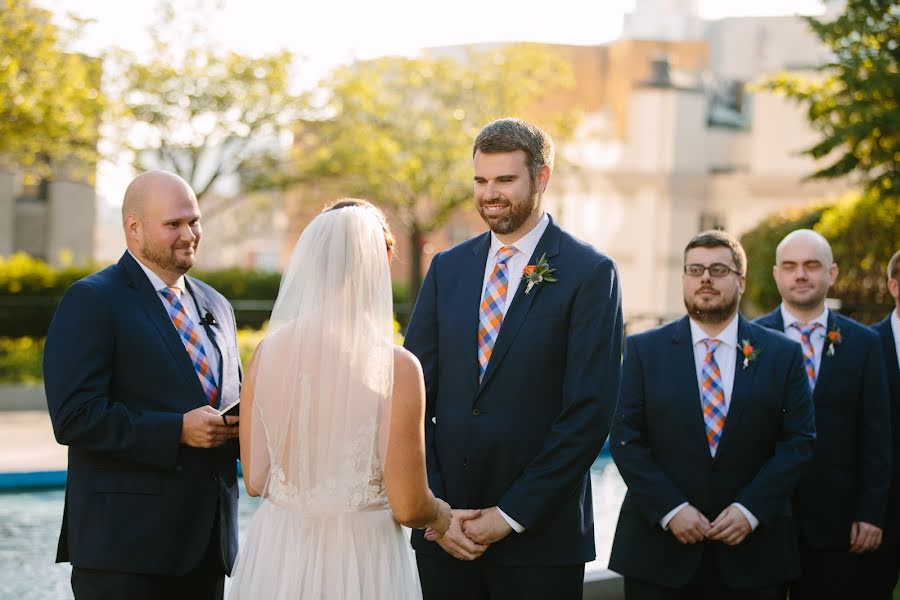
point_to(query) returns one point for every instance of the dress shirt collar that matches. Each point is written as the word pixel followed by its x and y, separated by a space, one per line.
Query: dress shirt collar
pixel 895 325
pixel 155 279
pixel 525 244
pixel 727 336
pixel 789 318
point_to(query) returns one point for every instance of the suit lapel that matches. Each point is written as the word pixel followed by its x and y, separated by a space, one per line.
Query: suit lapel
pixel 826 364
pixel 147 298
pixel 688 386
pixel 519 306
pixel 743 383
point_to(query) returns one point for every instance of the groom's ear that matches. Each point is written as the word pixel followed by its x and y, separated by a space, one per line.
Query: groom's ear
pixel 543 178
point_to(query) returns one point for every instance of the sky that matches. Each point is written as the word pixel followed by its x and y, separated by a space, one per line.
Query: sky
pixel 331 32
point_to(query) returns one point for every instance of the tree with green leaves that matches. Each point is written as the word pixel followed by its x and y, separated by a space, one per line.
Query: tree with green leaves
pixel 399 131
pixel 205 113
pixel 855 102
pixel 50 99
pixel 862 230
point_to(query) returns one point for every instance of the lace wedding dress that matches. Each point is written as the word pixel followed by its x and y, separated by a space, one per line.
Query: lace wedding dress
pixel 319 428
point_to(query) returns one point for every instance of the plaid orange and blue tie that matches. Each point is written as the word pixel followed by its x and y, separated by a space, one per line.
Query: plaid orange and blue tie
pixel 712 396
pixel 491 313
pixel 190 337
pixel 809 353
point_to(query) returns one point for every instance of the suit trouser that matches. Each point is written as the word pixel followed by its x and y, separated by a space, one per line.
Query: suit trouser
pixel 446 578
pixel 826 575
pixel 877 574
pixel 706 584
pixel 205 582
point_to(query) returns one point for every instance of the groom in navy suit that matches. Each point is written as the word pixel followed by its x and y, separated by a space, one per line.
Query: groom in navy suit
pixel 137 357
pixel 841 498
pixel 713 425
pixel 519 332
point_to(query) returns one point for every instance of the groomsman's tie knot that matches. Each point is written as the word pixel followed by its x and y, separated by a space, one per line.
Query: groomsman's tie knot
pixel 809 353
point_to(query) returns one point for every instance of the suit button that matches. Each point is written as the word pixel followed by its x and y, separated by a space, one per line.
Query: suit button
pixel 475 412
pixel 179 468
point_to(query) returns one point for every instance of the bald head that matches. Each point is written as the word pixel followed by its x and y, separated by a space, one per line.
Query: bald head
pixel 804 271
pixel 161 219
pixel 808 238
pixel 142 189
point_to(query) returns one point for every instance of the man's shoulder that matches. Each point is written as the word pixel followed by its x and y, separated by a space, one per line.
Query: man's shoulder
pixel 763 331
pixel 852 329
pixel 666 332
pixel 100 281
pixel 577 249
pixel 768 320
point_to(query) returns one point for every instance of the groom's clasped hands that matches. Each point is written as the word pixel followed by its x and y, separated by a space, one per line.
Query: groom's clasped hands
pixel 471 532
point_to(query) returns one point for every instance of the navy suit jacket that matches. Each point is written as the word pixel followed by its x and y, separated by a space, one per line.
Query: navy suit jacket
pixel 849 476
pixel 525 438
pixel 118 380
pixel 658 441
pixel 889 352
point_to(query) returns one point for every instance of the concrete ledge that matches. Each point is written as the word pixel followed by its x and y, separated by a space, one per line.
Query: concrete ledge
pixel 603 585
pixel 19 396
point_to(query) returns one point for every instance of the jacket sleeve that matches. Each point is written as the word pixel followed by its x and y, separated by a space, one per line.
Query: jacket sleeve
pixel 78 371
pixel 422 340
pixel 654 493
pixel 590 388
pixel 875 437
pixel 778 477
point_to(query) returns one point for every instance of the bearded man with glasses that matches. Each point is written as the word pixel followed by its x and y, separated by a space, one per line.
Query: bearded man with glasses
pixel 713 424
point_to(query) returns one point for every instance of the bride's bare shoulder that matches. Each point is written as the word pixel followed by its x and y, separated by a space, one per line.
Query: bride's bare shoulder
pixel 406 366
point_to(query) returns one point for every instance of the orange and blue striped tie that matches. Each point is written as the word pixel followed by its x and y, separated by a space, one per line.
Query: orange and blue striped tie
pixel 809 353
pixel 190 337
pixel 712 396
pixel 492 304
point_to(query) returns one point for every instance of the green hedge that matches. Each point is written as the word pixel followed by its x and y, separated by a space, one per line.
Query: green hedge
pixel 20 360
pixel 30 289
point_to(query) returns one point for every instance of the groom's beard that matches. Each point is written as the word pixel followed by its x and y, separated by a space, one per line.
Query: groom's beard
pixel 519 211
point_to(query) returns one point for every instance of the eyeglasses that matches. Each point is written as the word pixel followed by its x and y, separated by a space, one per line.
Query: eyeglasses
pixel 715 270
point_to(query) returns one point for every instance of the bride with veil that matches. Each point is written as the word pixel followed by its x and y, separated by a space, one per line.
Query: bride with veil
pixel 331 432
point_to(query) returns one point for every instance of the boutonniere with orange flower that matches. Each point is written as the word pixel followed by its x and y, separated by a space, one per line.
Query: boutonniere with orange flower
pixel 833 338
pixel 532 275
pixel 749 351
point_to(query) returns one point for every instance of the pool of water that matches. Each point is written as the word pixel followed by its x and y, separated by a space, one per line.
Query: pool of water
pixel 30 521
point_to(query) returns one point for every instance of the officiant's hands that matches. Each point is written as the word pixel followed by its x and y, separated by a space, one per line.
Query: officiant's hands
pixel 488 528
pixel 204 428
pixel 454 540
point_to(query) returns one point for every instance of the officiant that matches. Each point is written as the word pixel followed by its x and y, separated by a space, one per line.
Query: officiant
pixel 137 360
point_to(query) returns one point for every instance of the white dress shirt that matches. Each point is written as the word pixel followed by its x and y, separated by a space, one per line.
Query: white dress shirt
pixel 817 338
pixel 726 358
pixel 516 264
pixel 895 328
pixel 190 306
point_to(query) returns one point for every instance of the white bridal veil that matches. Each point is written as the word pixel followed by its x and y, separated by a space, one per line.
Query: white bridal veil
pixel 325 370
